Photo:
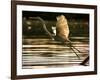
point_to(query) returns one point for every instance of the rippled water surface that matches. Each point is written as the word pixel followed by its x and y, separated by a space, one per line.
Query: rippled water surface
pixel 44 52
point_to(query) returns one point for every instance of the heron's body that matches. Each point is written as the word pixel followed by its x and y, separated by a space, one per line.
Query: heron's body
pixel 62 29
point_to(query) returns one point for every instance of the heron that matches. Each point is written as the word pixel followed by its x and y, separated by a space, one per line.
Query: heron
pixel 64 38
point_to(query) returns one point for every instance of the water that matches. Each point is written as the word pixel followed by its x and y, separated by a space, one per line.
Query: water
pixel 42 52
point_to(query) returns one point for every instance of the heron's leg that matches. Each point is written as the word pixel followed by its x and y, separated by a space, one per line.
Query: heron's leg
pixel 74 52
pixel 72 48
pixel 77 49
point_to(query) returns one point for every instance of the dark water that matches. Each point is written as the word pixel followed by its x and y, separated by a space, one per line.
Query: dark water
pixel 42 52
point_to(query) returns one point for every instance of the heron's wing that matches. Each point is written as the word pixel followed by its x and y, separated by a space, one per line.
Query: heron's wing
pixel 62 27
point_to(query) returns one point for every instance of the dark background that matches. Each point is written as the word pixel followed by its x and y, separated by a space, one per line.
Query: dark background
pixel 78 23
